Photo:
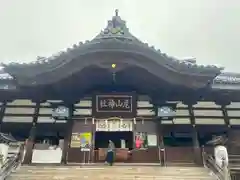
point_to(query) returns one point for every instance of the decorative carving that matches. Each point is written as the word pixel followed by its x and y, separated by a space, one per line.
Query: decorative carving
pixel 61 112
pixel 116 28
pixel 218 140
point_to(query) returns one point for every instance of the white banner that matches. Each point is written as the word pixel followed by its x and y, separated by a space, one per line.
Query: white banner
pixel 114 125
pixel 152 139
pixel 102 125
pixel 126 125
pixel 47 156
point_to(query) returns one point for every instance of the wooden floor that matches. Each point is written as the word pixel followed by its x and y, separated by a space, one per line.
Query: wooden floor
pixel 110 173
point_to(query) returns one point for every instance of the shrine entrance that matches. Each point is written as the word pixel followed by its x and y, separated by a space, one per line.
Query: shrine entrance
pixel 121 139
pixel 119 131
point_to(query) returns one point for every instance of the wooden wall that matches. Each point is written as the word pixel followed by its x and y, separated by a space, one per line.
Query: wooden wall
pixel 206 113
pixel 206 117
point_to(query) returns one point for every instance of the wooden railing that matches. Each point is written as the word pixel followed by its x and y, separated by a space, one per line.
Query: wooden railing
pixel 222 172
pixel 11 164
pixel 179 155
pixel 14 160
pixel 234 166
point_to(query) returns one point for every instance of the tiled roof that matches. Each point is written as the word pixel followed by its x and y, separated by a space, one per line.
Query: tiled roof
pixel 114 37
pixel 4 75
pixel 228 78
pixel 225 78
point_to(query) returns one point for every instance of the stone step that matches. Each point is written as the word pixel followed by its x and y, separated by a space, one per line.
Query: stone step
pixel 112 173
pixel 50 172
pixel 104 177
pixel 111 178
pixel 107 172
pixel 96 168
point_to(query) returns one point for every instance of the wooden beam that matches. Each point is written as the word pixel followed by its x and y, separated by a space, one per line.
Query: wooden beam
pixel 160 136
pixel 67 136
pixel 191 113
pixel 196 146
pixel 225 115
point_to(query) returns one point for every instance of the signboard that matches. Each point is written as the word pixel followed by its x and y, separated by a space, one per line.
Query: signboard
pixel 152 139
pixel 106 103
pixel 81 140
pixel 85 141
pixel 121 105
pixel 75 140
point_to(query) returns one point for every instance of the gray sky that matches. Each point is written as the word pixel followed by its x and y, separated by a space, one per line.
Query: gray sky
pixel 206 29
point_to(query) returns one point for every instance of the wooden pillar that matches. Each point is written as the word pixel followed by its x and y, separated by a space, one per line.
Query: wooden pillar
pixel 32 135
pixel 225 115
pixel 196 146
pixel 234 142
pixel 161 147
pixel 29 146
pixel 2 112
pixel 67 136
pixel 227 120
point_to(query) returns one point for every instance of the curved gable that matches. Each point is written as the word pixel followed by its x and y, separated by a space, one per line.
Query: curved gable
pixel 117 41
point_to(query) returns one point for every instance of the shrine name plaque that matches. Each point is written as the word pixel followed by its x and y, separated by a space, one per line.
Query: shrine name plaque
pixel 120 105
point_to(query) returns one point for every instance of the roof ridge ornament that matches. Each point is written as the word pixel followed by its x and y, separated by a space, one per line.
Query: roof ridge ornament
pixel 116 28
pixel 116 12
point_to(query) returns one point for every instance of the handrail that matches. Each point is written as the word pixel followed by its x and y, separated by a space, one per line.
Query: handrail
pixel 12 163
pixel 209 162
pixel 234 161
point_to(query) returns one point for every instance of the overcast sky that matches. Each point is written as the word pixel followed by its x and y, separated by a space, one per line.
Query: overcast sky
pixel 208 30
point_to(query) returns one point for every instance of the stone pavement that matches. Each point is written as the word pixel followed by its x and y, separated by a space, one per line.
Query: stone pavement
pixel 110 173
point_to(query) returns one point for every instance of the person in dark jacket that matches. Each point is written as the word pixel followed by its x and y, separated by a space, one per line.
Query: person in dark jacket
pixel 110 153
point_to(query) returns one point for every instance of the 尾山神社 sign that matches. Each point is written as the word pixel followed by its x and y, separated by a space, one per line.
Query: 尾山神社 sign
pixel 121 105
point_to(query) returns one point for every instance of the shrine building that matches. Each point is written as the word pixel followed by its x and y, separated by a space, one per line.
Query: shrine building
pixel 116 87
